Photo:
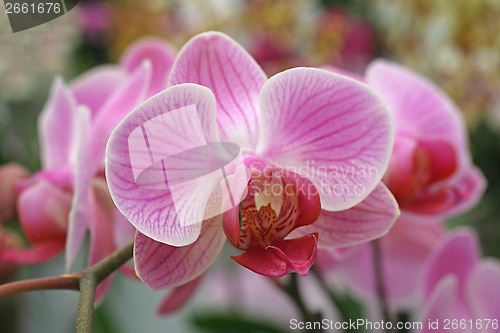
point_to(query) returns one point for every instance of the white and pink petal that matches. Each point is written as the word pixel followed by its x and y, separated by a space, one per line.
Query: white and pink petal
pixel 483 290
pixel 457 255
pixel 368 220
pixel 329 128
pixel 420 108
pixel 216 61
pixel 56 126
pixel 93 88
pixel 138 161
pixel 162 266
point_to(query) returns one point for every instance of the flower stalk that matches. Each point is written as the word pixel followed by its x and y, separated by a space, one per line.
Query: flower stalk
pixel 86 282
pixel 292 290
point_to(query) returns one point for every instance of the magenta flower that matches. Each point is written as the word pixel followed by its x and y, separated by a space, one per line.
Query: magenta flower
pixel 430 172
pixel 58 204
pixel 301 129
pixel 461 287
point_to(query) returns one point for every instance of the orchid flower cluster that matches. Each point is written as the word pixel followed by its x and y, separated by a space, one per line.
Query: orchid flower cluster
pixel 186 153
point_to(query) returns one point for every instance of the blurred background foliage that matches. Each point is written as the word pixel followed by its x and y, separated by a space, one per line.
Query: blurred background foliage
pixel 455 43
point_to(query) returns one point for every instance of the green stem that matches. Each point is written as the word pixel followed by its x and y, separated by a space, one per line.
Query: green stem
pixel 85 317
pixel 90 279
pixel 333 298
pixel 292 290
pixel 380 281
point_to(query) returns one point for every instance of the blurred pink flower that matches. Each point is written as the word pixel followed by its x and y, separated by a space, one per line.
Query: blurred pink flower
pixel 404 251
pixel 460 286
pixel 274 54
pixel 95 19
pixel 431 172
pixel 69 196
pixel 282 125
pixel 350 41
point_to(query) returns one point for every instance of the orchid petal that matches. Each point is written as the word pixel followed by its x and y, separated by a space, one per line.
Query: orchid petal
pixel 217 62
pixel 80 213
pixel 56 126
pixel 43 212
pixel 285 256
pixel 466 191
pixel 405 251
pixel 179 296
pixel 400 176
pixel 148 202
pixel 124 99
pixel 335 131
pixel 101 223
pixel 124 231
pixel 308 197
pixel 484 291
pixel 231 225
pixel 420 108
pixel 443 304
pixel 457 255
pixel 159 53
pixel 94 87
pixel 442 159
pixel 368 220
pixel 162 266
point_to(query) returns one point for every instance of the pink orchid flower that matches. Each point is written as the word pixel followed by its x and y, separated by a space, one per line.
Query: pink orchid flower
pixel 430 172
pixel 461 287
pixel 69 196
pixel 292 130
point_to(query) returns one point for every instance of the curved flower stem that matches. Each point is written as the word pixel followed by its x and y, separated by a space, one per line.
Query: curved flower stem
pixel 65 282
pixel 380 281
pixel 89 280
pixel 86 282
pixel 292 290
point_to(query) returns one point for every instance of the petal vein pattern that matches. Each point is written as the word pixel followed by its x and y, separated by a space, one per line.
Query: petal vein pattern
pixel 171 171
pixel 331 129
